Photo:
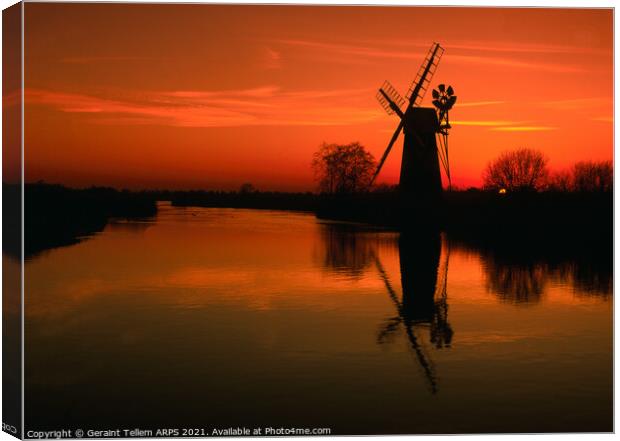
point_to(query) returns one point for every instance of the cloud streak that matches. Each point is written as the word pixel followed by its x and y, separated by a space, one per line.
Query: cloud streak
pixel 485 123
pixel 524 129
pixel 505 126
pixel 272 59
pixel 261 106
pixel 608 119
pixel 377 52
pixel 504 47
pixel 103 59
pixel 480 103
pixel 578 103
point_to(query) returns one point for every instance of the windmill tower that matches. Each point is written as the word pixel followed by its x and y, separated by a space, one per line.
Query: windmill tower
pixel 420 174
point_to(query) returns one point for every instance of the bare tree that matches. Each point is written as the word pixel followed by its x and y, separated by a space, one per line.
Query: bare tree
pixel 560 181
pixel 342 168
pixel 247 188
pixel 518 170
pixel 593 176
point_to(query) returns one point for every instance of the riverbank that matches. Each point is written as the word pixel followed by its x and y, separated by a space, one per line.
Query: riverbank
pixel 471 211
pixel 523 226
pixel 57 215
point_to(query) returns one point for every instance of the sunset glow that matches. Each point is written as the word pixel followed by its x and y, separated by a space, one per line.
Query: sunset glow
pixel 210 97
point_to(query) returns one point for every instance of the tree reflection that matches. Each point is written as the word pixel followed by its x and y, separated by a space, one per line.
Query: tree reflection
pixel 520 269
pixel 521 283
pixel 593 279
pixel 516 283
pixel 348 250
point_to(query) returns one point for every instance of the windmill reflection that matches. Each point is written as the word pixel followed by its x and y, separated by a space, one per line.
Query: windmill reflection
pixel 424 306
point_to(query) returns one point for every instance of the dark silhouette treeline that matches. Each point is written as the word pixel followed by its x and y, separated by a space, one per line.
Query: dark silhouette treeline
pixel 482 212
pixel 57 216
pixel 531 213
pixel 268 200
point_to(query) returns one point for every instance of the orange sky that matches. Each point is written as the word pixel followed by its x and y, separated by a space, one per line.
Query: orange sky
pixel 206 96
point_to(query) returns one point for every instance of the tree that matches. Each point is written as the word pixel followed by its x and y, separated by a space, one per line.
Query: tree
pixel 518 170
pixel 560 181
pixel 247 188
pixel 593 176
pixel 343 168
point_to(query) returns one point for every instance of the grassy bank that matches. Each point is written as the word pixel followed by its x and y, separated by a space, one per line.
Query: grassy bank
pixel 57 215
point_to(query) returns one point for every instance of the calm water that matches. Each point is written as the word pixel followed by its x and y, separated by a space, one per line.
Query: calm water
pixel 218 317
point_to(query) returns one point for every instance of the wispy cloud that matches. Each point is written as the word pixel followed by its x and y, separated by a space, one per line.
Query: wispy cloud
pixel 380 52
pixel 525 48
pixel 366 51
pixel 102 59
pixel 514 63
pixel 608 119
pixel 271 59
pixel 152 112
pixel 480 103
pixel 485 123
pixel 524 129
pixel 268 105
pixel 505 126
pixel 578 103
pixel 504 47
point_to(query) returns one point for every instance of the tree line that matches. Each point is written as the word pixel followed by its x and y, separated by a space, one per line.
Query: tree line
pixel 527 170
pixel 348 168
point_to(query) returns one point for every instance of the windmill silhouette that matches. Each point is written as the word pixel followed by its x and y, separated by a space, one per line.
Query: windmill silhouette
pixel 420 174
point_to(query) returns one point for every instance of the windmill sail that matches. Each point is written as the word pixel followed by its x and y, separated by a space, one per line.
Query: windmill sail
pixel 415 95
pixel 423 78
pixel 390 99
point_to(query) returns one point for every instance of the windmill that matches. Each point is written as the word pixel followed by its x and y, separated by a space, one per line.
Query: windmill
pixel 420 175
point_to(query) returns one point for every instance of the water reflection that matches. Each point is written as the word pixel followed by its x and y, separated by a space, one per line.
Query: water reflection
pixel 522 279
pixel 279 320
pixel 424 277
pixel 422 307
pixel 591 279
pixel 421 300
pixel 347 252
pixel 424 299
pixel 518 284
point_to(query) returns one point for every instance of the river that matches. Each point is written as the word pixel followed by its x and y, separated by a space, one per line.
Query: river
pixel 213 318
